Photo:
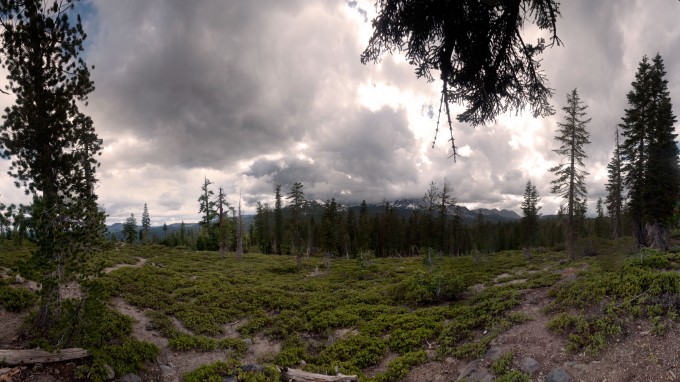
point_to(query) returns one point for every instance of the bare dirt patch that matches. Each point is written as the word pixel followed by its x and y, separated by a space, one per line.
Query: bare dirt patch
pixel 436 371
pixel 140 263
pixel 261 348
pixel 180 362
pixel 9 328
pixel 533 338
pixel 381 367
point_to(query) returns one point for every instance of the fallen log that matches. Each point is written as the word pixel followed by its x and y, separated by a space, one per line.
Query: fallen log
pixel 30 356
pixel 296 375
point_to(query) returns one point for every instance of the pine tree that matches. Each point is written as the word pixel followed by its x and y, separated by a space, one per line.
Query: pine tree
pixel 329 227
pixel 530 215
pixel 364 227
pixel 297 203
pixel 614 187
pixel 446 203
pixel 239 232
pixel 570 183
pixel 52 145
pixel 650 155
pixel 146 224
pixel 278 220
pixel 261 230
pixel 222 228
pixel 130 228
pixel 599 218
pixel 206 204
pixel 428 209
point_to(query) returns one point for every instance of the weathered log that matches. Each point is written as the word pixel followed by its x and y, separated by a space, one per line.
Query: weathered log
pixel 296 375
pixel 31 356
pixel 7 376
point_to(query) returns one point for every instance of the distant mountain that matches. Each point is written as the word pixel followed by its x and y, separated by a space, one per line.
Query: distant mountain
pixel 405 207
pixel 402 207
pixel 117 229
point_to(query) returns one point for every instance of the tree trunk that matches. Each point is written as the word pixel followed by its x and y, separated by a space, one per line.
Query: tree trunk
pixel 296 375
pixel 657 236
pixel 639 233
pixel 31 356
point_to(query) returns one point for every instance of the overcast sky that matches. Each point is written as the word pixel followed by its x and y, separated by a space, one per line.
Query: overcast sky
pixel 253 93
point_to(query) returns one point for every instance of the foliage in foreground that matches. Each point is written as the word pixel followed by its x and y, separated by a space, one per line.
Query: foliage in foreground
pixel 360 312
pixel 599 305
pixel 349 318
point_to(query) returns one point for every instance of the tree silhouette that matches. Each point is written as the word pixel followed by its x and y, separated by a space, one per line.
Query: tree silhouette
pixel 570 183
pixel 650 154
pixel 52 145
pixel 476 46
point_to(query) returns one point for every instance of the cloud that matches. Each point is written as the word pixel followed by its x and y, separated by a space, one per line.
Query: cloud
pixel 264 92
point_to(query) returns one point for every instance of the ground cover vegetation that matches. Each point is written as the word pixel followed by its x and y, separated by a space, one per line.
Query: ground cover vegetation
pixel 365 287
pixel 359 312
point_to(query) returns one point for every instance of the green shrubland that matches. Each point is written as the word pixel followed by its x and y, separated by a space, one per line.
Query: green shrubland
pixel 356 315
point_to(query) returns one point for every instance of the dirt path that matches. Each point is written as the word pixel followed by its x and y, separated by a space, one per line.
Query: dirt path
pixel 532 338
pixel 185 361
pixel 140 263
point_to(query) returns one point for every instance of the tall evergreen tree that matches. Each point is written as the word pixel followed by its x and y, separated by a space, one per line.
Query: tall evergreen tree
pixel 428 212
pixel 650 154
pixel 206 205
pixel 52 145
pixel 146 224
pixel 297 202
pixel 222 228
pixel 262 227
pixel 614 187
pixel 570 182
pixel 278 219
pixel 329 227
pixel 130 228
pixel 364 227
pixel 446 203
pixel 530 215
pixel 239 231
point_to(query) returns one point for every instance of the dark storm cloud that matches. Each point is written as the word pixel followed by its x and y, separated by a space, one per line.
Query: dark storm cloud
pixel 206 83
pixel 259 93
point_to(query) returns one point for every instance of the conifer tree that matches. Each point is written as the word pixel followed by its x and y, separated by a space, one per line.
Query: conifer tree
pixel 52 145
pixel 570 182
pixel 446 203
pixel 428 208
pixel 239 232
pixel 297 201
pixel 130 228
pixel 261 231
pixel 206 204
pixel 364 227
pixel 146 224
pixel 614 187
pixel 222 228
pixel 650 155
pixel 530 215
pixel 278 220
pixel 329 227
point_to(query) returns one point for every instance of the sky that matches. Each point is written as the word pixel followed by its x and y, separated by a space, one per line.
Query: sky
pixel 254 93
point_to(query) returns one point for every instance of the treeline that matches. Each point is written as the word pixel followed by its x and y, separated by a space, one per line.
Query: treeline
pixel 435 223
